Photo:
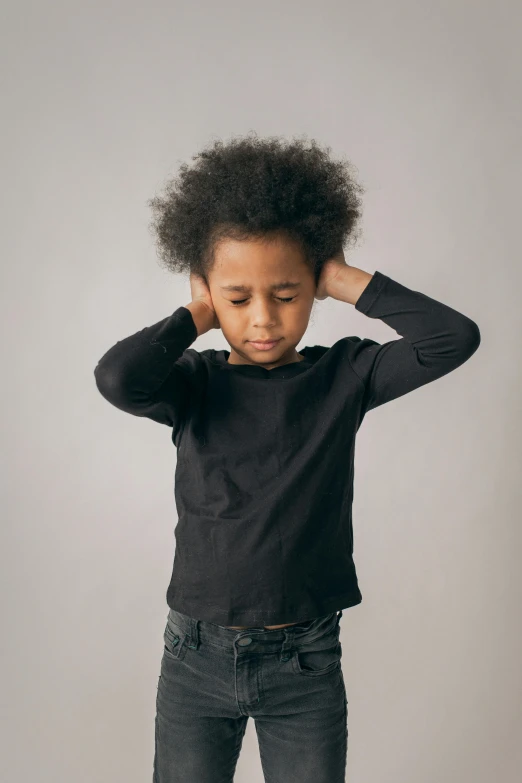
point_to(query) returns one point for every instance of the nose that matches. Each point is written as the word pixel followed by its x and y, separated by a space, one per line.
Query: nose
pixel 264 316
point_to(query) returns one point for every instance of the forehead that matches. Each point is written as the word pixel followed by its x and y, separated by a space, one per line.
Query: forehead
pixel 255 258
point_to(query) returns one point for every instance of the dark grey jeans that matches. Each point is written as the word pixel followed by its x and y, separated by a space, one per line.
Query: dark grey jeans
pixel 289 680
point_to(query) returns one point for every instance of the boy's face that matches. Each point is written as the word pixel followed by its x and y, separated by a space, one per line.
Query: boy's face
pixel 250 273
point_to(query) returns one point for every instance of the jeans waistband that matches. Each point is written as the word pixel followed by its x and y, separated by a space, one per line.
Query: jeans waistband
pixel 196 631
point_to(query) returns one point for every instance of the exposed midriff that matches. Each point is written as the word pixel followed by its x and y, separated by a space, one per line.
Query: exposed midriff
pixel 268 627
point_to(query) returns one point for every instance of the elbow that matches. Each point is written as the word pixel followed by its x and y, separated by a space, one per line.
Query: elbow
pixel 108 383
pixel 471 339
pixel 466 342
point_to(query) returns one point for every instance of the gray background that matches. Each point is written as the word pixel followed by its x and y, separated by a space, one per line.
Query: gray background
pixel 100 103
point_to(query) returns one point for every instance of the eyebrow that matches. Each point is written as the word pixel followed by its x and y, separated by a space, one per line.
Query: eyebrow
pixel 276 287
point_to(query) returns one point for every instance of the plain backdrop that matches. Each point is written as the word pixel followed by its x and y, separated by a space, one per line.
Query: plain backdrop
pixel 101 102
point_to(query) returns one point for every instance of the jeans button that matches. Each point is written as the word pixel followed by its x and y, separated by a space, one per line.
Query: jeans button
pixel 244 641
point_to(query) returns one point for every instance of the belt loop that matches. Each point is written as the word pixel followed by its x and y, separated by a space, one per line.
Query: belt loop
pixel 193 641
pixel 286 647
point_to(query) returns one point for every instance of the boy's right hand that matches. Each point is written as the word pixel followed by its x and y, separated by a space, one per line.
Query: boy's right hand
pixel 202 306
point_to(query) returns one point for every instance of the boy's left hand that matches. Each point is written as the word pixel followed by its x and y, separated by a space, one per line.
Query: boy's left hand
pixel 329 272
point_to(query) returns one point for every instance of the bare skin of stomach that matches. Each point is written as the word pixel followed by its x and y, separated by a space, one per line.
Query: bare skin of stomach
pixel 268 627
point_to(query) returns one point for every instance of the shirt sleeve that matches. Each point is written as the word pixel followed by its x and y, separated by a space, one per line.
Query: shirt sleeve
pixel 436 339
pixel 147 373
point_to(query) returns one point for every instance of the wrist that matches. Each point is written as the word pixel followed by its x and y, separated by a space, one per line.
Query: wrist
pixel 349 284
pixel 202 315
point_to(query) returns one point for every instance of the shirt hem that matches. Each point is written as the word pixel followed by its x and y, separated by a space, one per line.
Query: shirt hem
pixel 260 617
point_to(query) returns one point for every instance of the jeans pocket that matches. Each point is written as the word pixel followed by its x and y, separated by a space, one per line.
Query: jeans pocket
pixel 318 659
pixel 174 642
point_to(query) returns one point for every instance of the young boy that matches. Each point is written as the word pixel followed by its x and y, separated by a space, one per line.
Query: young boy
pixel 265 438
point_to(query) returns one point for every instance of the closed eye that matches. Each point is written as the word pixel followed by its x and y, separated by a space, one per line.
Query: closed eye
pixel 281 299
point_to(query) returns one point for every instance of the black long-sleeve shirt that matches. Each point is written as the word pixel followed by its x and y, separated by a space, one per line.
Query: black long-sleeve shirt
pixel 265 458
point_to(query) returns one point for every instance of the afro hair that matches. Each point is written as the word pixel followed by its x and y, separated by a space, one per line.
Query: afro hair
pixel 252 188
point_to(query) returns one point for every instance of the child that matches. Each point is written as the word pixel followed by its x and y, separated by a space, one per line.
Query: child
pixel 265 438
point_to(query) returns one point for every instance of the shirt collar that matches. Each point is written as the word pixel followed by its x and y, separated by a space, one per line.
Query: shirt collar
pixel 288 370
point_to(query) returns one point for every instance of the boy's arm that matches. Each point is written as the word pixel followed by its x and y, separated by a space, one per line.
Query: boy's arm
pixel 145 373
pixel 436 339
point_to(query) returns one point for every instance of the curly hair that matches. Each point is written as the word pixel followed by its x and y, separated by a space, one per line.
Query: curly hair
pixel 251 188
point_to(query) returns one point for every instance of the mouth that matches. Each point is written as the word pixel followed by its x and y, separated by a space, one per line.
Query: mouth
pixel 264 345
